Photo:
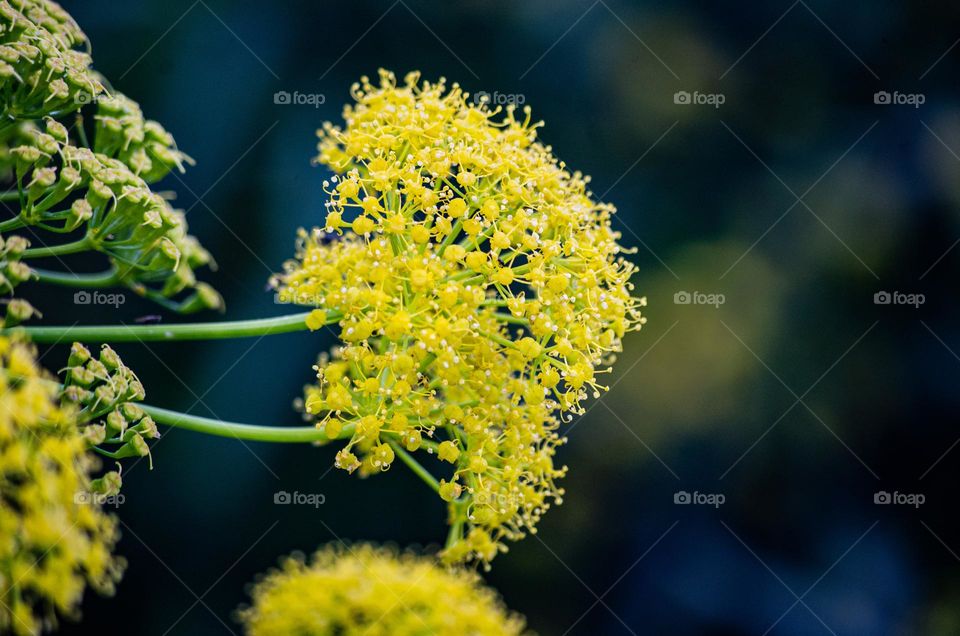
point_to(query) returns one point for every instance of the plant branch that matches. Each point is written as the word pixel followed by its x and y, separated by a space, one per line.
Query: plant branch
pixel 281 434
pixel 414 465
pixel 73 247
pixel 182 331
pixel 106 278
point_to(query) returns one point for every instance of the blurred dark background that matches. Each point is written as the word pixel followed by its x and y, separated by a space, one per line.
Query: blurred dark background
pixel 800 399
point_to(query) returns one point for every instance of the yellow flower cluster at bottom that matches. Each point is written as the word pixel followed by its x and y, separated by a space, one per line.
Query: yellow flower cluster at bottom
pixel 374 591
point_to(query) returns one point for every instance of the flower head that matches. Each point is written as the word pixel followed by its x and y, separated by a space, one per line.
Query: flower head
pixel 67 184
pixel 479 290
pixel 106 391
pixel 377 592
pixel 43 67
pixel 54 537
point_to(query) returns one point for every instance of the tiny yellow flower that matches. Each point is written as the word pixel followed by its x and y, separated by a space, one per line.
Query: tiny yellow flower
pixel 316 319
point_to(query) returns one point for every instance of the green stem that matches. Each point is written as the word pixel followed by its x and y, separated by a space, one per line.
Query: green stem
pixel 80 245
pixel 13 195
pixel 414 465
pixel 107 278
pixel 456 528
pixel 183 331
pixel 282 434
pixel 11 224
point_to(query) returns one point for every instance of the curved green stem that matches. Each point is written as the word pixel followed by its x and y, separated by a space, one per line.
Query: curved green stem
pixel 11 224
pixel 183 331
pixel 414 465
pixel 282 434
pixel 73 247
pixel 101 279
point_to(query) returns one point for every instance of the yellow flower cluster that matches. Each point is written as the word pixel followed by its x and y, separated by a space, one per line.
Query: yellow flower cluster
pixel 481 288
pixel 373 591
pixel 54 537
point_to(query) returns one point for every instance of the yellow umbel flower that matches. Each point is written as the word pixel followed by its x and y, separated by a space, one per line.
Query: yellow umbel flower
pixel 481 288
pixel 373 591
pixel 54 537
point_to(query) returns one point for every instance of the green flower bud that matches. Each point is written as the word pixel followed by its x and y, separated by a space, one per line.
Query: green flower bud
pixel 81 376
pixel 16 245
pixel 79 354
pixel 105 394
pixel 135 446
pixel 98 369
pixel 75 395
pixel 108 485
pixel 94 434
pixel 56 130
pixel 99 193
pixel 136 391
pixel 131 412
pixel 18 310
pixel 109 358
pixel 116 423
pixel 148 428
pixel 17 272
pixel 80 212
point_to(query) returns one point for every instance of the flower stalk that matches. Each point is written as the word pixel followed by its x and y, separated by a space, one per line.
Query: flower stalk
pixel 182 331
pixel 251 432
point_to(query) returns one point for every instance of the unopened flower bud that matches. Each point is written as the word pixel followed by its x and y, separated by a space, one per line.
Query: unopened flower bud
pixel 79 355
pixel 135 446
pixel 131 412
pixel 109 358
pixel 17 272
pixel 116 423
pixel 15 245
pixel 108 485
pixel 95 434
pixel 18 310
pixel 148 428
pixel 449 490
